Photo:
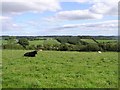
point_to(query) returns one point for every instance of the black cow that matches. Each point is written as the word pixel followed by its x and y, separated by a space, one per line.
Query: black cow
pixel 30 54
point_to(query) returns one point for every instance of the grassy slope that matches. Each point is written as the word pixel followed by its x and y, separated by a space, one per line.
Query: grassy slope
pixel 51 42
pixel 36 42
pixel 88 40
pixel 41 42
pixel 60 69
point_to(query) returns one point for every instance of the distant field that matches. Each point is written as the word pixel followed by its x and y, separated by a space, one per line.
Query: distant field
pixel 111 41
pixel 36 42
pixel 57 69
pixel 88 40
pixel 41 42
pixel 51 42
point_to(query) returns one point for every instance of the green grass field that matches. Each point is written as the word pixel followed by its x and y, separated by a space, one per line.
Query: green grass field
pixel 41 42
pixel 56 69
pixel 36 42
pixel 105 41
pixel 51 42
pixel 3 41
pixel 88 40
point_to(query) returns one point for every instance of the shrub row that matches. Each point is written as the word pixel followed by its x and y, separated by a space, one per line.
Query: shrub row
pixel 67 47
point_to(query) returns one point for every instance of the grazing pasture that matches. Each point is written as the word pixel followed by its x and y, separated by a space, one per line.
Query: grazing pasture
pixel 89 40
pixel 41 42
pixel 36 42
pixel 51 42
pixel 59 69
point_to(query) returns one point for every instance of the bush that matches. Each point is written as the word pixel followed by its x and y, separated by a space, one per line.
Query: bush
pixel 109 46
pixel 83 48
pixel 63 47
pixel 12 46
pixel 31 47
pixel 24 42
pixel 71 40
pixel 93 47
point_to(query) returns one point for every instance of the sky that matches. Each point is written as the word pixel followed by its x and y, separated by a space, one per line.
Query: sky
pixel 59 17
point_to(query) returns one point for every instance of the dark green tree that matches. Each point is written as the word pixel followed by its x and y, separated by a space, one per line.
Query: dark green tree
pixel 93 47
pixel 63 47
pixel 24 42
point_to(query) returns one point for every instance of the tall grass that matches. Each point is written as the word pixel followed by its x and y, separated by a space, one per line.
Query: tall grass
pixel 56 69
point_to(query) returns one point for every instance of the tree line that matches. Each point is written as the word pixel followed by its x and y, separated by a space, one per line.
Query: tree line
pixel 69 43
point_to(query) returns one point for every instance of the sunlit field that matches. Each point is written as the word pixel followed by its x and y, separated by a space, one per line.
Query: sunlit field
pixel 60 69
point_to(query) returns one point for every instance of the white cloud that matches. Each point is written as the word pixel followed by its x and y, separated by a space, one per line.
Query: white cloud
pixel 77 15
pixel 7 24
pixel 4 18
pixel 21 6
pixel 105 7
pixel 98 10
pixel 112 24
pixel 106 28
